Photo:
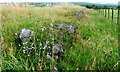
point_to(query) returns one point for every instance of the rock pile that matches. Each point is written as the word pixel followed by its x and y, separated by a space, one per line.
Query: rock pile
pixel 66 28
pixel 49 50
pixel 79 15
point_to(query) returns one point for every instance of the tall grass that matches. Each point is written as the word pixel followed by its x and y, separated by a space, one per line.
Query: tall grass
pixel 0 38
pixel 95 47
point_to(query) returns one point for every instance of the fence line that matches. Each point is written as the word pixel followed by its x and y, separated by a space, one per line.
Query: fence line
pixel 110 14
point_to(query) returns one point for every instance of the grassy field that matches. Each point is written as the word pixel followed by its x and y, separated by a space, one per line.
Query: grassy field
pixel 95 48
pixel 0 38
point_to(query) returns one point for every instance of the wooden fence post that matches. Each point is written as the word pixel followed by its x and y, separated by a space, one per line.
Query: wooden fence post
pixel 112 13
pixel 118 17
pixel 99 10
pixel 105 13
pixel 108 13
pixel 102 12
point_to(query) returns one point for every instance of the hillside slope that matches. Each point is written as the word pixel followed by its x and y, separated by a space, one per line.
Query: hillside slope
pixel 96 38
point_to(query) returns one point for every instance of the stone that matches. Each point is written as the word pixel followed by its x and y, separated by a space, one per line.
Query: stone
pixel 71 28
pixel 62 27
pixel 66 28
pixel 48 57
pixel 57 48
pixel 26 35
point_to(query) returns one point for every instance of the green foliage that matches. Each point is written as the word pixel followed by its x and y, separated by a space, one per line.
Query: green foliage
pixel 95 47
pixel 118 7
pixel 105 7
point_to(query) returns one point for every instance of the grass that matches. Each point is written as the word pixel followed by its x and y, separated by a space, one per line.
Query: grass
pixel 0 38
pixel 95 48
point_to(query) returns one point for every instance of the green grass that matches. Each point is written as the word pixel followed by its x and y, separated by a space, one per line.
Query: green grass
pixel 96 47
pixel 0 38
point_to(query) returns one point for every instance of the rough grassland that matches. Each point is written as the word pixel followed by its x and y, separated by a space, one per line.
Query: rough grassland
pixel 96 46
